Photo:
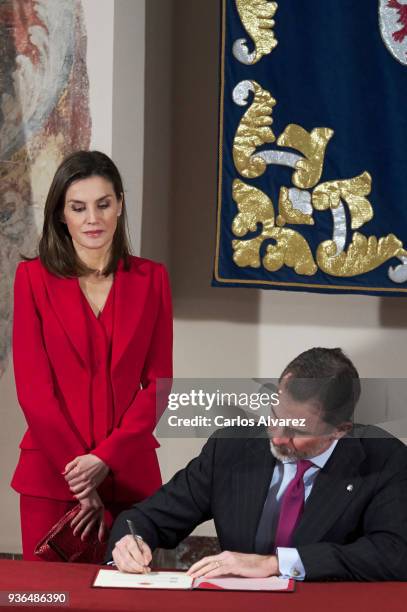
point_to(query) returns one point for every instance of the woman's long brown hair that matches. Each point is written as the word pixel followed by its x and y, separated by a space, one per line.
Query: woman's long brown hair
pixel 56 250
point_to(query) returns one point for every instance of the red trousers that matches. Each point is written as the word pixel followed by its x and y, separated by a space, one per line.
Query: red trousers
pixel 39 514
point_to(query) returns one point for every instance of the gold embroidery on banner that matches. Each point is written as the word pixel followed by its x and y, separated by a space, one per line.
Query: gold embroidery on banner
pixel 312 145
pixel 256 17
pixel 352 191
pixel 254 207
pixel 289 214
pixel 292 250
pixel 252 132
pixel 363 254
pixel 247 252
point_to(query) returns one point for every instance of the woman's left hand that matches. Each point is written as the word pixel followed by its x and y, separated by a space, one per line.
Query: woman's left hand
pixel 84 474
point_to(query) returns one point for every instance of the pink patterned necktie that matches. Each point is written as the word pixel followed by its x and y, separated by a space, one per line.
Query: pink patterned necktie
pixel 292 506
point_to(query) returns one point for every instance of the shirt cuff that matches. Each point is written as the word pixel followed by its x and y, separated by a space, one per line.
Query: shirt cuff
pixel 290 564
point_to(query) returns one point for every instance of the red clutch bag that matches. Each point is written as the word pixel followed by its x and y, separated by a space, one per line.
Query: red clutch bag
pixel 60 544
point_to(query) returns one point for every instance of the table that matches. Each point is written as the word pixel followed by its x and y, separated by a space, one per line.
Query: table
pixel 308 597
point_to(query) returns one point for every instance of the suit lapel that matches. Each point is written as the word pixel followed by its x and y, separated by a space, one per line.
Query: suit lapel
pixel 65 298
pixel 130 296
pixel 130 289
pixel 251 481
pixel 334 488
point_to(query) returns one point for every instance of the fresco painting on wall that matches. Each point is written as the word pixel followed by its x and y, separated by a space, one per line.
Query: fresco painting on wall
pixel 44 115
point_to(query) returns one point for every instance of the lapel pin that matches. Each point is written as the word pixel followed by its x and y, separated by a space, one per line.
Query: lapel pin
pixel 349 488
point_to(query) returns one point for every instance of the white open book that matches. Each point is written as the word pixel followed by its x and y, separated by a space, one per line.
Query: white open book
pixel 180 580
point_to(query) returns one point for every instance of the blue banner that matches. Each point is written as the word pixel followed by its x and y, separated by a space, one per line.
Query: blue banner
pixel 312 192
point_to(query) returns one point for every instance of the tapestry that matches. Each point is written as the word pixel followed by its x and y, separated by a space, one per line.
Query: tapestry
pixel 312 182
pixel 44 115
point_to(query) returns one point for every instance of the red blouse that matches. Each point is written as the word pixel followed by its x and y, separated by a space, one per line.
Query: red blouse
pixel 100 333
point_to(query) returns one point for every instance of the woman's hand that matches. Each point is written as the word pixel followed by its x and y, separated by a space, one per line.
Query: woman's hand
pixel 90 515
pixel 84 474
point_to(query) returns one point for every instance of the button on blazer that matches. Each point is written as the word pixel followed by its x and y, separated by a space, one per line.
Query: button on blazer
pixel 52 373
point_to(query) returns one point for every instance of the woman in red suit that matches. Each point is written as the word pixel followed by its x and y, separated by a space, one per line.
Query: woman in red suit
pixel 92 334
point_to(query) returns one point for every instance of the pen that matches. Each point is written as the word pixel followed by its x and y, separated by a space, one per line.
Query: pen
pixel 137 538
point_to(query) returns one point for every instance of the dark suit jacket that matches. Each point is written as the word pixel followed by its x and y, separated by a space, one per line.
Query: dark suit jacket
pixel 343 535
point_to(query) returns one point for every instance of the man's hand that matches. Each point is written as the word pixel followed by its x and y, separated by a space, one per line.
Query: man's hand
pixel 90 515
pixel 84 474
pixel 235 564
pixel 129 558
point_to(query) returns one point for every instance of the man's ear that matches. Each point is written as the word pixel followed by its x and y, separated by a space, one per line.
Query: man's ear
pixel 343 429
pixel 284 380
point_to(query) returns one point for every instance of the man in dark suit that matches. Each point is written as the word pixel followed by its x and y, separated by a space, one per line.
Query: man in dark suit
pixel 326 501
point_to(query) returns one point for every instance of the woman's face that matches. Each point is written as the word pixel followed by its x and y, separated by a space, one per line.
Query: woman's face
pixel 91 211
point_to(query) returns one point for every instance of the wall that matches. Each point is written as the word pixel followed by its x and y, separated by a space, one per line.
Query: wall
pixel 158 89
pixel 100 35
pixel 128 106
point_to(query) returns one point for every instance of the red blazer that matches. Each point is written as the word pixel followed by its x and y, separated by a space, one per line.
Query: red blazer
pixel 52 373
